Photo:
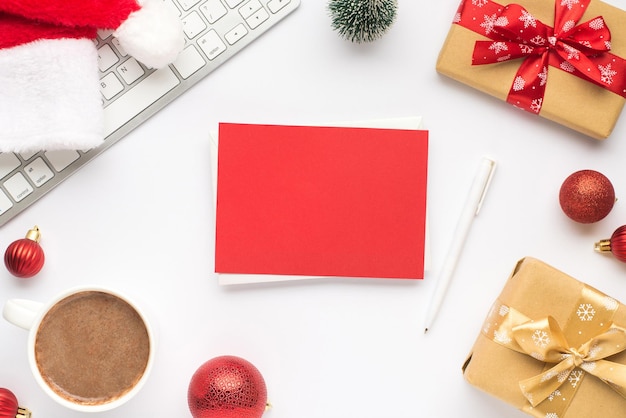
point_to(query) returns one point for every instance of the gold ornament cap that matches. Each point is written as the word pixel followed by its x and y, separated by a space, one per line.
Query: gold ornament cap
pixel 603 246
pixel 23 413
pixel 34 234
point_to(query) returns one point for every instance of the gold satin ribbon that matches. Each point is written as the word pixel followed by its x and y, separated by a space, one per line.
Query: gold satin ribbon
pixel 588 338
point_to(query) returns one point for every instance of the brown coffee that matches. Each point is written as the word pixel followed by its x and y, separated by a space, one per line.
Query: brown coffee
pixel 92 347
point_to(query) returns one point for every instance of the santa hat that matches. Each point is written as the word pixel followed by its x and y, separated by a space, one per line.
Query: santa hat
pixel 49 80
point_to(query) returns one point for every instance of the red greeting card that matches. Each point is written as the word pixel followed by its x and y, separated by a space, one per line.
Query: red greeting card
pixel 321 201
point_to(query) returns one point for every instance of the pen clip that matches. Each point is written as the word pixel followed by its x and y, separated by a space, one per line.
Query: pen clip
pixel 486 184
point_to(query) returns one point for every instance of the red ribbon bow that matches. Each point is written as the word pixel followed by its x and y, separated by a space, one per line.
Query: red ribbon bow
pixel 580 49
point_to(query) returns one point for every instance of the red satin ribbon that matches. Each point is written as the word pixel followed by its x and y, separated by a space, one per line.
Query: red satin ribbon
pixel 580 49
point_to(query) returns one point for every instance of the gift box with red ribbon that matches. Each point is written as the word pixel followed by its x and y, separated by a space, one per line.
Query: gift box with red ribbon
pixel 552 346
pixel 564 60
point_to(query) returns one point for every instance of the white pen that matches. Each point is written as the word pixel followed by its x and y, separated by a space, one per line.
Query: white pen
pixel 470 210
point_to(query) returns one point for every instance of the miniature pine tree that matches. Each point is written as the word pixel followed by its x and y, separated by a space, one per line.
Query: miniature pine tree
pixel 362 20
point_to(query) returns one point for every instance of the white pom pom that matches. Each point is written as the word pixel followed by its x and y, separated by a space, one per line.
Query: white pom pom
pixel 152 34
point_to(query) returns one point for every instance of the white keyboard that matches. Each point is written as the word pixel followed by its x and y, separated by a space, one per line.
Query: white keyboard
pixel 215 30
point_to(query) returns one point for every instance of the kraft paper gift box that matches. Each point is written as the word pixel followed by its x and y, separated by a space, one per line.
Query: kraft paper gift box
pixel 552 347
pixel 591 108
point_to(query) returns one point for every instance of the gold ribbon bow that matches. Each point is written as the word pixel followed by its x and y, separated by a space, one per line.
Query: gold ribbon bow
pixel 584 345
pixel 545 341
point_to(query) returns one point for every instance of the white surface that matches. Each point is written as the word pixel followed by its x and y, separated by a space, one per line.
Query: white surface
pixel 139 219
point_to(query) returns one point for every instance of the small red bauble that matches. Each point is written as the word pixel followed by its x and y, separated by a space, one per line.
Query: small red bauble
pixel 587 196
pixel 24 258
pixel 227 387
pixel 616 244
pixel 9 407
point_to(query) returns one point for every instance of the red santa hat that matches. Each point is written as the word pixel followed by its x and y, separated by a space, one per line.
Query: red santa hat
pixel 49 79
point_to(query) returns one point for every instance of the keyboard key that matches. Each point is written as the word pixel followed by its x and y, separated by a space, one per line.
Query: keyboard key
pixel 27 155
pixel 18 187
pixel 233 3
pixel 256 19
pixel 211 44
pixel 130 70
pixel 189 61
pixel 8 163
pixel 118 47
pixel 106 57
pixel 213 10
pixel 60 159
pixel 38 172
pixel 249 8
pixel 110 86
pixel 104 33
pixel 5 203
pixel 193 25
pixel 142 95
pixel 187 4
pixel 276 5
pixel 236 34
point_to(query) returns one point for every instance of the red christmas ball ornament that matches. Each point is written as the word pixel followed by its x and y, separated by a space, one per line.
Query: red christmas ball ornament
pixel 24 258
pixel 587 196
pixel 227 387
pixel 9 407
pixel 615 245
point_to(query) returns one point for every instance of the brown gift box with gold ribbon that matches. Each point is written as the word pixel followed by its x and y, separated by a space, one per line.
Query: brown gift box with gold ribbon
pixel 546 70
pixel 552 347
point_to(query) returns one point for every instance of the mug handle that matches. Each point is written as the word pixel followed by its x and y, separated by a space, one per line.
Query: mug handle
pixel 21 312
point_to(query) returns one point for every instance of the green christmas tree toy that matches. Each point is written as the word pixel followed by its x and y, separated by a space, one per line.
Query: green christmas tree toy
pixel 362 20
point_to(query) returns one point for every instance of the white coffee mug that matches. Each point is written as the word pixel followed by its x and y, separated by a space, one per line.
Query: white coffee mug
pixel 80 338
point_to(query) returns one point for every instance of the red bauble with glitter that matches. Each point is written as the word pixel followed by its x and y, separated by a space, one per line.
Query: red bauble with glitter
pixel 9 407
pixel 24 258
pixel 587 196
pixel 616 244
pixel 227 387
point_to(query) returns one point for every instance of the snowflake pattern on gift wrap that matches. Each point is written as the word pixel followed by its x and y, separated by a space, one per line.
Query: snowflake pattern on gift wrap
pixel 519 83
pixel 528 19
pixel 535 105
pixel 502 337
pixel 554 395
pixel 549 375
pixel 498 47
pixel 480 3
pixel 566 66
pixel 595 350
pixel 585 312
pixel 490 22
pixel 541 338
pixel 610 304
pixel 588 366
pixel 526 49
pixel 607 73
pixel 569 3
pixel 572 53
pixel 562 376
pixel 575 377
pixel 543 76
pixel 457 18
pixel 597 24
pixel 538 40
pixel 568 25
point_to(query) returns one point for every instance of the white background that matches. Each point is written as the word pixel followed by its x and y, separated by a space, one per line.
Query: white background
pixel 139 218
